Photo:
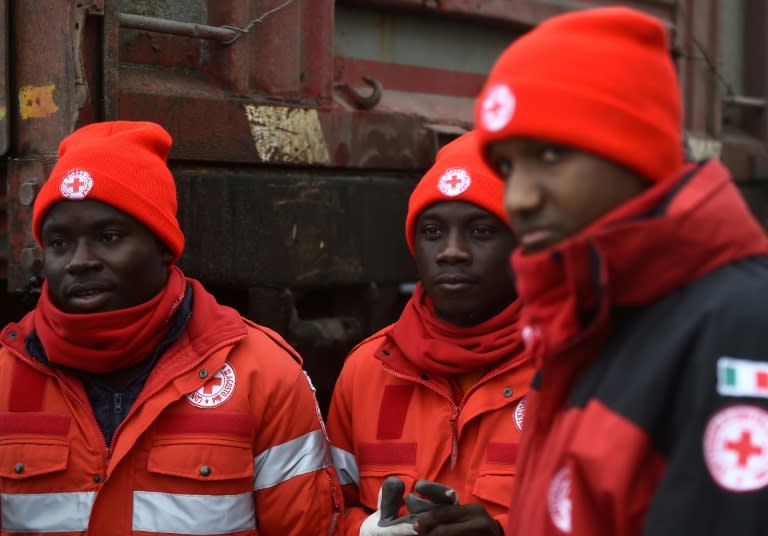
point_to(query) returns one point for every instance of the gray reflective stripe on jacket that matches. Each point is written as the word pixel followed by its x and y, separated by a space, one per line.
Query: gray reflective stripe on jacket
pixel 173 513
pixel 346 466
pixel 296 457
pixel 46 512
pixel 176 513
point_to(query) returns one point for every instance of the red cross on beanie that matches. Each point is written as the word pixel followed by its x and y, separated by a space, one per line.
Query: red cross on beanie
pixel 601 80
pixel 121 164
pixel 458 174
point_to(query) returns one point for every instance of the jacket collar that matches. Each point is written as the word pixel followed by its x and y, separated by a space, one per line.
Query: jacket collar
pixel 670 235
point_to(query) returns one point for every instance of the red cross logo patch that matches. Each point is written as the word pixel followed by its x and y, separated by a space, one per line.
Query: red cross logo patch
pixel 520 414
pixel 216 391
pixel 559 500
pixel 454 181
pixel 497 108
pixel 736 448
pixel 76 184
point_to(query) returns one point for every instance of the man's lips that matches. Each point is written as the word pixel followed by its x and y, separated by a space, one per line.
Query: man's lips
pixel 86 290
pixel 453 281
pixel 537 239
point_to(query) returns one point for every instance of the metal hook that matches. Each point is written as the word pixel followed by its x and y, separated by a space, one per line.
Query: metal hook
pixel 361 101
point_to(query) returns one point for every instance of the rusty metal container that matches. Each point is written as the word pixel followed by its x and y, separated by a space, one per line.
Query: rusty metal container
pixel 300 127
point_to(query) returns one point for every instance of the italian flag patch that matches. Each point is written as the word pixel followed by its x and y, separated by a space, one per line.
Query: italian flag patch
pixel 742 377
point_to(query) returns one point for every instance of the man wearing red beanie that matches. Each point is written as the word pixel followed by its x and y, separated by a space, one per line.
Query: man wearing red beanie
pixel 433 404
pixel 130 401
pixel 643 278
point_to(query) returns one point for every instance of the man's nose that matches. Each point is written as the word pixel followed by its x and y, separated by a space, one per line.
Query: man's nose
pixel 83 258
pixel 455 248
pixel 522 194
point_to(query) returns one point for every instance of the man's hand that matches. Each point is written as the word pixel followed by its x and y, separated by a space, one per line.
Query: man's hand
pixel 439 508
pixel 385 521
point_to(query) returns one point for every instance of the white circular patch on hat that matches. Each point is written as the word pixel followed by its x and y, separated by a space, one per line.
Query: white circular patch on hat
pixel 216 391
pixel 76 184
pixel 736 448
pixel 497 108
pixel 454 182
pixel 559 500
pixel 520 414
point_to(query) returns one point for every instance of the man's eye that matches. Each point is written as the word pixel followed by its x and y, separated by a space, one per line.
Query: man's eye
pixel 503 167
pixel 110 237
pixel 55 242
pixel 482 231
pixel 552 154
pixel 431 231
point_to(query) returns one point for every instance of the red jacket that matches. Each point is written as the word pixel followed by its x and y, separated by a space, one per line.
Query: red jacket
pixel 629 322
pixel 225 438
pixel 387 419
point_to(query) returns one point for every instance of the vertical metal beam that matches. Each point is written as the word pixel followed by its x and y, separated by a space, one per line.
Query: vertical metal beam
pixel 317 57
pixel 231 64
pixel 276 48
pixel 754 68
pixel 292 50
pixel 49 88
pixel 110 60
pixel 3 77
pixel 698 39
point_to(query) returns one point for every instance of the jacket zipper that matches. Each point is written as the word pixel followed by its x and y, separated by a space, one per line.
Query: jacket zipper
pixel 455 410
pixel 117 408
pixel 147 395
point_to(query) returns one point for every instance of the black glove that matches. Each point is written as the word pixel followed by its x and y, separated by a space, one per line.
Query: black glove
pixel 385 521
pixel 430 495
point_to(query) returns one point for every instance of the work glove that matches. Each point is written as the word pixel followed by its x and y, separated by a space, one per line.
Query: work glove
pixel 430 495
pixel 437 510
pixel 385 521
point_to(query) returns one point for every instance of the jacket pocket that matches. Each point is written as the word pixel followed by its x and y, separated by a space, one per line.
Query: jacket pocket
pixel 32 457
pixel 205 460
pixel 495 488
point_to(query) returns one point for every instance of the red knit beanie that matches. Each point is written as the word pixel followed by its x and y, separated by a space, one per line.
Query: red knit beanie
pixel 458 174
pixel 122 164
pixel 601 80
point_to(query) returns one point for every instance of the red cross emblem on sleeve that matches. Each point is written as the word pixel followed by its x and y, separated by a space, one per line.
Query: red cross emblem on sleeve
pixel 736 448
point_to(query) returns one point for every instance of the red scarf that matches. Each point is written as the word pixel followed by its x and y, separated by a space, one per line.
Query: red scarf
pixel 439 347
pixel 103 342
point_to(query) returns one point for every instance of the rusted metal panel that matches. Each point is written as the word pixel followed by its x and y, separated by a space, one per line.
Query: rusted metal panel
pixel 24 180
pixel 49 82
pixel 3 136
pixel 232 131
pixel 516 12
pixel 260 226
pixel 281 96
pixel 48 71
pixel 3 79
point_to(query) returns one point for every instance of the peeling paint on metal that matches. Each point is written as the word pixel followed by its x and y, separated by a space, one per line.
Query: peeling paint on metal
pixel 288 135
pixel 36 102
pixel 702 147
